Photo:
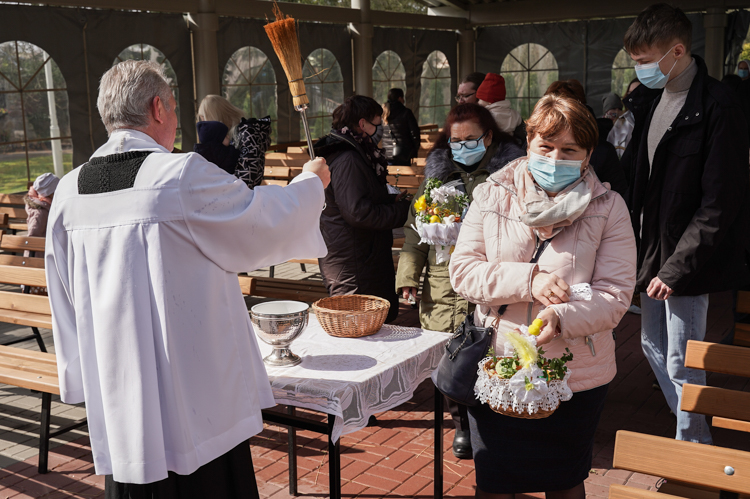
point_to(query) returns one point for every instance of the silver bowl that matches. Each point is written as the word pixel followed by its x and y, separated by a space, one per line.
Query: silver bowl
pixel 278 323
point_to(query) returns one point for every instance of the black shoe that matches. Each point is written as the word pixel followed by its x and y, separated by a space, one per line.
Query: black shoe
pixel 462 444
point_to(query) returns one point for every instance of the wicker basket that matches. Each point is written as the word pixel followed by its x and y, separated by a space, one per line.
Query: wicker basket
pixel 351 316
pixel 540 414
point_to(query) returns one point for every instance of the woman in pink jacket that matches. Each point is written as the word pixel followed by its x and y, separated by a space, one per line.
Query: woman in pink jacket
pixel 551 195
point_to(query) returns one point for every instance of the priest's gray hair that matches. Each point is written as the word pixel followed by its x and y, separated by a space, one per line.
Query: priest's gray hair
pixel 126 92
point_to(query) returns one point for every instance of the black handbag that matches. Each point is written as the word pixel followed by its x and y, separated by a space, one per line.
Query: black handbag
pixel 456 373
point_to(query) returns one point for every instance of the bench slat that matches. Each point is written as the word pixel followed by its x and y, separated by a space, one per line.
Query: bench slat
pixel 12 199
pixel 10 274
pixel 32 381
pixel 288 283
pixel 405 170
pixel 713 401
pixel 26 318
pixel 731 424
pixel 688 462
pixel 20 302
pixel 13 212
pixel 271 181
pixel 28 366
pixel 725 359
pixel 247 284
pixel 741 334
pixel 28 355
pixel 622 492
pixel 22 261
pixel 18 243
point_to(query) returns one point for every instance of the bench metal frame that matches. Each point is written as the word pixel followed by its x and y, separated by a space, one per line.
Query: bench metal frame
pixel 44 432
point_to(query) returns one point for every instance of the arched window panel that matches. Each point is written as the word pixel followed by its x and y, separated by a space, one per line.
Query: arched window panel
pixel 387 72
pixel 34 118
pixel 324 84
pixel 529 70
pixel 435 97
pixel 623 72
pixel 146 52
pixel 249 83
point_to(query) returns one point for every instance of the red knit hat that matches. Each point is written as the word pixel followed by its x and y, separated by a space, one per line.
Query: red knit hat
pixel 492 88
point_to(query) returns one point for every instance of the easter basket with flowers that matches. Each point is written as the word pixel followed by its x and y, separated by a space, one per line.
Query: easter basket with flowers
pixel 523 383
pixel 439 213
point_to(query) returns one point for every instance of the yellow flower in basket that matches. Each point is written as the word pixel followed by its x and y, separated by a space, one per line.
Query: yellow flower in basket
pixel 420 204
pixel 527 353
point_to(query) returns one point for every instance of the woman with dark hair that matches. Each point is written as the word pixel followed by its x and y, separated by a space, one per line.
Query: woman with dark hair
pixel 360 214
pixel 470 149
pixel 401 134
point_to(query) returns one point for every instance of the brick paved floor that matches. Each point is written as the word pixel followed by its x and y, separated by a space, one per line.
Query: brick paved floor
pixel 393 458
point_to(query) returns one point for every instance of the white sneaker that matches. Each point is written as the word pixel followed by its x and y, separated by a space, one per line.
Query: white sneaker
pixel 634 310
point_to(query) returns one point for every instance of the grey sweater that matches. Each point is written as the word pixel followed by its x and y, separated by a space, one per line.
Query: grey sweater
pixel 672 99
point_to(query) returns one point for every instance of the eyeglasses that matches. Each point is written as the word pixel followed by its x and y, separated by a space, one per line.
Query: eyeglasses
pixel 468 144
pixel 461 97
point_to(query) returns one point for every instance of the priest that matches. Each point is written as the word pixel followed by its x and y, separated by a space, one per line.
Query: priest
pixel 150 326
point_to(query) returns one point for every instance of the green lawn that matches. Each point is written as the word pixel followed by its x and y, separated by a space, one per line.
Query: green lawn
pixel 13 176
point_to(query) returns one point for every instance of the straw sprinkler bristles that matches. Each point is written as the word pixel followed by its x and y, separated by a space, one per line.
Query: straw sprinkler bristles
pixel 283 36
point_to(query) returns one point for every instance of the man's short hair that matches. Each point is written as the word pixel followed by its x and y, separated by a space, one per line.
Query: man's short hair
pixel 475 79
pixel 659 26
pixel 126 92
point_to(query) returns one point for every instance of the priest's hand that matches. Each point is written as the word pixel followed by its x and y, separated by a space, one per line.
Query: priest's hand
pixel 319 167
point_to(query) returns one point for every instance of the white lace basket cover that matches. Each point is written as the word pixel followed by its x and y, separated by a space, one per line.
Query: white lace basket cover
pixel 497 393
pixel 441 235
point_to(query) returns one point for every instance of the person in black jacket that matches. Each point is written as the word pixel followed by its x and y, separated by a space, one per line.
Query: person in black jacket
pixel 401 133
pixel 360 214
pixel 689 199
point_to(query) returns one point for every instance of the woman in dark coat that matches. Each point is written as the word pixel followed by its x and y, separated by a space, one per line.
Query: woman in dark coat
pixel 401 140
pixel 360 214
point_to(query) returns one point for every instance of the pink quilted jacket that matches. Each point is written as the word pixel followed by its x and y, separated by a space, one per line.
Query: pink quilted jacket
pixel 490 267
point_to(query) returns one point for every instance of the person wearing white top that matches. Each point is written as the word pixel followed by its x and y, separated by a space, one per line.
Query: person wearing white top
pixel 150 327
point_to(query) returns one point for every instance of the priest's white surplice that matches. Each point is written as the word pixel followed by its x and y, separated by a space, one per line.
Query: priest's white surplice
pixel 150 326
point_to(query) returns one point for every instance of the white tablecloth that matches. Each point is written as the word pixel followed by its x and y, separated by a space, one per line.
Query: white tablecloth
pixel 354 378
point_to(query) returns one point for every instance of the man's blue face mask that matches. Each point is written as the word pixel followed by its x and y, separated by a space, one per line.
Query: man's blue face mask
pixel 651 75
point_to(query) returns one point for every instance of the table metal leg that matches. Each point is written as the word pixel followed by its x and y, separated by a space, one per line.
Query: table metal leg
pixel 292 452
pixel 438 444
pixel 334 461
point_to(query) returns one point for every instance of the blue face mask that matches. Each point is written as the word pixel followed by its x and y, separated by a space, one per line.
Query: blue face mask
pixel 466 156
pixel 743 73
pixel 651 75
pixel 553 175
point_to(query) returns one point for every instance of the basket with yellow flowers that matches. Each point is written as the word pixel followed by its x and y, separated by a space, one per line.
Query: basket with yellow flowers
pixel 439 213
pixel 522 383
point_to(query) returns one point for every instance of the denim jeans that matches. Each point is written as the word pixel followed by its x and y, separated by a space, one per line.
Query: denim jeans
pixel 666 327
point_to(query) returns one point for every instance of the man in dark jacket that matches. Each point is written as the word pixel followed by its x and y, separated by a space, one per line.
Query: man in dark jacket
pixel 690 200
pixel 401 135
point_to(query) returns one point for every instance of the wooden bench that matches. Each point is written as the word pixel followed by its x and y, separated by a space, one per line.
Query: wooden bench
pixel 14 206
pixel 407 178
pixel 284 289
pixel 14 246
pixel 729 408
pixel 690 465
pixel 36 371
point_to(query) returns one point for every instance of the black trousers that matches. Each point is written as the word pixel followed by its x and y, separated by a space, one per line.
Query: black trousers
pixel 230 476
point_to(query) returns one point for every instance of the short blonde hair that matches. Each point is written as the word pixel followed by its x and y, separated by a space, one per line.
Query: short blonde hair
pixel 556 114
pixel 126 91
pixel 217 108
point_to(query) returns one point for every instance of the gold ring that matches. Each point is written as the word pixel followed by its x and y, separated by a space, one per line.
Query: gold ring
pixel 551 294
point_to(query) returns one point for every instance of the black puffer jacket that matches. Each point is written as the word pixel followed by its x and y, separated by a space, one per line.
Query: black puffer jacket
pixel 695 201
pixel 401 140
pixel 357 224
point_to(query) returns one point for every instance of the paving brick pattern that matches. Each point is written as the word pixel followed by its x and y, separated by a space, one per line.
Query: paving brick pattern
pixel 392 458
